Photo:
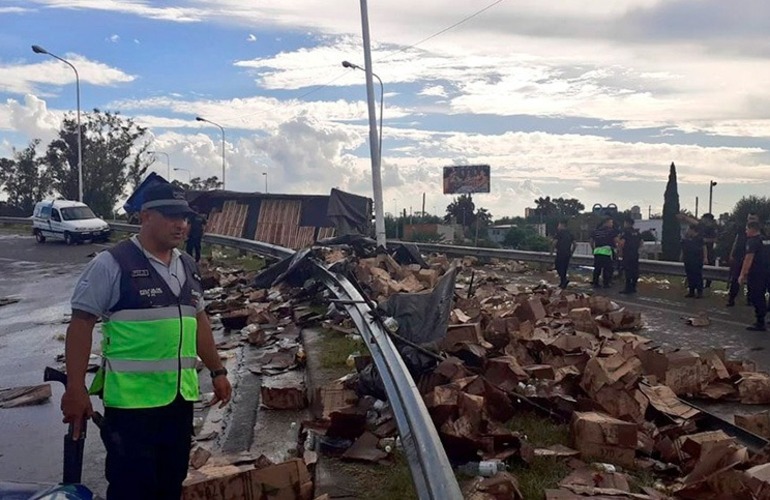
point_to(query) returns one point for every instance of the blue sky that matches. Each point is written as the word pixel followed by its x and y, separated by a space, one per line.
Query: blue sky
pixel 588 99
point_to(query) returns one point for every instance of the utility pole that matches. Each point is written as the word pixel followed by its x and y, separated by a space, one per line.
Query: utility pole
pixel 711 195
pixel 696 207
pixel 374 145
pixel 423 204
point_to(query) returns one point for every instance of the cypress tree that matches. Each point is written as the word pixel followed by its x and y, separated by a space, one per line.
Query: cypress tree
pixel 671 230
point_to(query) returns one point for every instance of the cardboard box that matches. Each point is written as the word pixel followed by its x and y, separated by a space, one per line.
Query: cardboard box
pixel 604 438
pixel 286 481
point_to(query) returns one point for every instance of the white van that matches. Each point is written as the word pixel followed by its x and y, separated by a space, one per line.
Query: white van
pixel 66 220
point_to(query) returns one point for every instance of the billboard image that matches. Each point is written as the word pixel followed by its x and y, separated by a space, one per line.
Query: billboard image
pixel 466 179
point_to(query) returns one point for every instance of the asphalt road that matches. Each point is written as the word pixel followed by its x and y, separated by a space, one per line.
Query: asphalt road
pixel 31 336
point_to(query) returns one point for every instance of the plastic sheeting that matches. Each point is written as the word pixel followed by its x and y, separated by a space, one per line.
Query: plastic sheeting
pixel 349 213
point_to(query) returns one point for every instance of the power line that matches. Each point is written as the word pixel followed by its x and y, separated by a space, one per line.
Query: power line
pixel 434 35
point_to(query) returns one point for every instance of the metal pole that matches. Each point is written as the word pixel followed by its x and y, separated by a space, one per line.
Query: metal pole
pixel 200 119
pixel 374 143
pixel 711 195
pixel 265 174
pixel 40 50
pixel 696 207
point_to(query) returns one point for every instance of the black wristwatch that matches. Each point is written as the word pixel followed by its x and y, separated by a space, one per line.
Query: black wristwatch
pixel 218 372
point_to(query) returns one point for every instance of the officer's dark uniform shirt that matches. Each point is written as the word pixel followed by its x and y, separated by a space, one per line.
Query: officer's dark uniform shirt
pixel 604 236
pixel 692 249
pixel 632 240
pixel 564 240
pixel 754 246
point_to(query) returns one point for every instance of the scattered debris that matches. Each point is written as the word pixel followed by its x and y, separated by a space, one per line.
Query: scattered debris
pixel 4 301
pixel 701 319
pixel 25 396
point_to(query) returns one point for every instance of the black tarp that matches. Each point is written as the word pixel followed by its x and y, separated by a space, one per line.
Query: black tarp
pixel 349 213
pixel 422 318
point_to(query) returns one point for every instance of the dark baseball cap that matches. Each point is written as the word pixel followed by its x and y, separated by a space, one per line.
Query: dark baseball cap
pixel 167 199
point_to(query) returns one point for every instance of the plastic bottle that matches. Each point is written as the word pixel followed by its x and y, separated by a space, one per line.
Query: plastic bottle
pixel 485 468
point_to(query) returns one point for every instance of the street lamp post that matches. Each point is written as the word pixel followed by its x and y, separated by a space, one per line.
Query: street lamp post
pixel 348 64
pixel 374 143
pixel 711 195
pixel 200 119
pixel 265 174
pixel 168 162
pixel 37 49
pixel 189 175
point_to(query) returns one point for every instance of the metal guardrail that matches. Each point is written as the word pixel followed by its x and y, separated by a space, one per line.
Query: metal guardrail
pixel 430 468
pixel 645 266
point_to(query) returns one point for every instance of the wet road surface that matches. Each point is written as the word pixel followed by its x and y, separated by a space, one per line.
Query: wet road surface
pixel 31 336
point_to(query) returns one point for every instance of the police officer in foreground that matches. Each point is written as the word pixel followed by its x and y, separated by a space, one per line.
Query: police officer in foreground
pixel 630 242
pixel 754 274
pixel 150 299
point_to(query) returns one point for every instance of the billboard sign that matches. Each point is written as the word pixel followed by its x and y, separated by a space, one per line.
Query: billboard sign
pixel 466 179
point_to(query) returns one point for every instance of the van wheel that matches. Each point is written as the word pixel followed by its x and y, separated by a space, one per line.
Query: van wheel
pixel 68 239
pixel 39 237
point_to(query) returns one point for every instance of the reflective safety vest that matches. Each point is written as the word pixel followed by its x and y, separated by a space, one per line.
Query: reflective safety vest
pixel 149 340
pixel 604 250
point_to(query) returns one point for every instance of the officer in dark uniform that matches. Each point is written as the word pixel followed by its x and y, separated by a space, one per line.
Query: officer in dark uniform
pixel 737 253
pixel 694 256
pixel 630 242
pixel 754 273
pixel 564 244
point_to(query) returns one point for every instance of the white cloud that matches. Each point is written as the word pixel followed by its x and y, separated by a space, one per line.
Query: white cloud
pixel 136 7
pixel 434 90
pixel 14 10
pixel 26 78
pixel 251 38
pixel 32 118
pixel 113 38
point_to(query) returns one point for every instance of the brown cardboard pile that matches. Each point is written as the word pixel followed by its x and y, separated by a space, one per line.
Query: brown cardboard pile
pixel 510 347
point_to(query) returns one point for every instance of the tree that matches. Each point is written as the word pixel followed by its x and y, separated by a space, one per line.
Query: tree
pixel 108 142
pixel 567 207
pixel 483 217
pixel 545 207
pixel 209 184
pixel 462 210
pixel 25 178
pixel 138 168
pixel 671 230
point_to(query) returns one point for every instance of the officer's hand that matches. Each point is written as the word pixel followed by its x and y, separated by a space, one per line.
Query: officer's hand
pixel 76 406
pixel 741 279
pixel 222 391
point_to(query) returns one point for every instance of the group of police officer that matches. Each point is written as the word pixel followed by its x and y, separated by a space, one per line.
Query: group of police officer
pixel 749 258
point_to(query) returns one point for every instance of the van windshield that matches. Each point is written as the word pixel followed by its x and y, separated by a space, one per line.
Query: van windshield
pixel 77 213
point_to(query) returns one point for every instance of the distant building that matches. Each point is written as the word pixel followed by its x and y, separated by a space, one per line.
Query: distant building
pixel 530 212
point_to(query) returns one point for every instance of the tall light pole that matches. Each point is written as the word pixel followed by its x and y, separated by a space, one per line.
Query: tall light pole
pixel 200 119
pixel 37 49
pixel 711 195
pixel 168 162
pixel 189 175
pixel 374 146
pixel 265 174
pixel 348 64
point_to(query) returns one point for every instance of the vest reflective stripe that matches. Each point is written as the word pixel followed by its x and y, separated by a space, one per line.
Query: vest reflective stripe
pixel 155 313
pixel 605 250
pixel 141 366
pixel 142 361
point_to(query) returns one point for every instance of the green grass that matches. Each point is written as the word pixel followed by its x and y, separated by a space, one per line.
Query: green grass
pixel 336 347
pixel 543 472
pixel 381 482
pixel 25 229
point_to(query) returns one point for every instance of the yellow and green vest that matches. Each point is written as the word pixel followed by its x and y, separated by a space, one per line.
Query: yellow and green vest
pixel 149 340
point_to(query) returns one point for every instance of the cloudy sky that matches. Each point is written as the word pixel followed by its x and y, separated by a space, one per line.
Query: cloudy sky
pixel 591 99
